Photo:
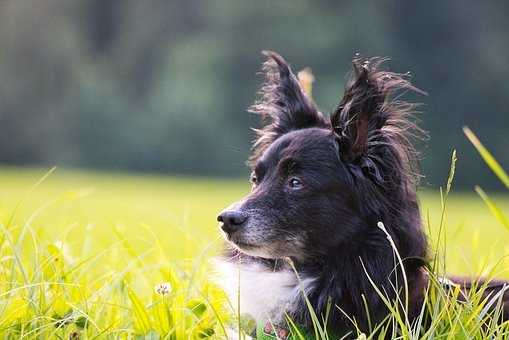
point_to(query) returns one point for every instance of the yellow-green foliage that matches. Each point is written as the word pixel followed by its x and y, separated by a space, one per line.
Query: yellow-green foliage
pixel 85 255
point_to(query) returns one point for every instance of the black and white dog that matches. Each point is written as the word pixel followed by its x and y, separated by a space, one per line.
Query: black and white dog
pixel 320 187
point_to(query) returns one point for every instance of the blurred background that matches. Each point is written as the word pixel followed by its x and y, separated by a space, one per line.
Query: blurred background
pixel 162 86
pixel 141 105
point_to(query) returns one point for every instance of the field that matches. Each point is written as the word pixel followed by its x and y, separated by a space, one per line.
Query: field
pixel 86 254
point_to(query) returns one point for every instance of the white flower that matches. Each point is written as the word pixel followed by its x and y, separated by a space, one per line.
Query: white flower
pixel 65 250
pixel 163 288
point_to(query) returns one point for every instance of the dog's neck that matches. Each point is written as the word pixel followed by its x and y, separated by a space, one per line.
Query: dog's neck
pixel 338 282
pixel 346 282
pixel 263 289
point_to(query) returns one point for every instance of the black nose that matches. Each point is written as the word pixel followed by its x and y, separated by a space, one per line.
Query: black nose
pixel 232 220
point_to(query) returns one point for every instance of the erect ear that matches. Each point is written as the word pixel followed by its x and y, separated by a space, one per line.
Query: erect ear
pixel 366 108
pixel 283 104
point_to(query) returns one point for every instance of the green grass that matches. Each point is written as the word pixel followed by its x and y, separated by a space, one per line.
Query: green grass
pixel 82 253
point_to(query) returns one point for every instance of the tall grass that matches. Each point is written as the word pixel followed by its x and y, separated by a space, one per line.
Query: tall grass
pixel 76 290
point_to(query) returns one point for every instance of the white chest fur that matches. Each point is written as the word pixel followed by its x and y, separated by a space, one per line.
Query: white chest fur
pixel 260 292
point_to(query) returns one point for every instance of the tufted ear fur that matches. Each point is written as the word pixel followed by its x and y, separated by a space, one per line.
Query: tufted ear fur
pixel 371 127
pixel 283 105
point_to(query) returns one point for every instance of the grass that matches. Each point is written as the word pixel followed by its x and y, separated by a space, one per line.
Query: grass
pixel 87 255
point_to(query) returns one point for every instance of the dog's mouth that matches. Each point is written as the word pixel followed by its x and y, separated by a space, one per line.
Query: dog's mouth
pixel 241 244
pixel 248 248
pixel 267 250
pixel 244 245
pixel 253 250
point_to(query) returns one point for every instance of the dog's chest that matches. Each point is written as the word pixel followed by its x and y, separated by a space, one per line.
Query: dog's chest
pixel 260 292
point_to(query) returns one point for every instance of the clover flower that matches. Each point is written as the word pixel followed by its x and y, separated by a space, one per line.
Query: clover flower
pixel 163 288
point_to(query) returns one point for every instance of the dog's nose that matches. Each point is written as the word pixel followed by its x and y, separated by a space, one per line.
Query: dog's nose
pixel 232 220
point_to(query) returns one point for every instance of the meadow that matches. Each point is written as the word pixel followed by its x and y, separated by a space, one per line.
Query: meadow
pixel 87 255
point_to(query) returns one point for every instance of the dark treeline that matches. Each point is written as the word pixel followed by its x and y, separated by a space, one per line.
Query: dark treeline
pixel 164 85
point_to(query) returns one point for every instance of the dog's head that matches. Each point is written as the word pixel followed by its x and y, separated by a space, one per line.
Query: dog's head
pixel 321 183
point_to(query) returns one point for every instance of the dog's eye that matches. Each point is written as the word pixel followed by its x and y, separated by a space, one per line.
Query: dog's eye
pixel 294 183
pixel 253 179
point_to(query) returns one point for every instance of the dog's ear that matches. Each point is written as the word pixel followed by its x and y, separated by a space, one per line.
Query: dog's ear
pixel 367 113
pixel 283 105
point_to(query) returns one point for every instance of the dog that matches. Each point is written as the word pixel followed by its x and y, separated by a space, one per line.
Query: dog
pixel 332 200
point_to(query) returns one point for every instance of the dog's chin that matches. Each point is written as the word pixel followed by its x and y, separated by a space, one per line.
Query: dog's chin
pixel 252 249
pixel 266 250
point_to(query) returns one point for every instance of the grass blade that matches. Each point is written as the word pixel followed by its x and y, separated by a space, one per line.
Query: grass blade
pixel 488 157
pixel 141 315
pixel 495 210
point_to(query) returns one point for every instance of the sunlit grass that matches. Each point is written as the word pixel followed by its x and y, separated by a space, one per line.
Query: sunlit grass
pixel 84 254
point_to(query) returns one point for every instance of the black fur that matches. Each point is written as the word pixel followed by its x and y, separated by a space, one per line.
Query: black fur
pixel 283 103
pixel 320 186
